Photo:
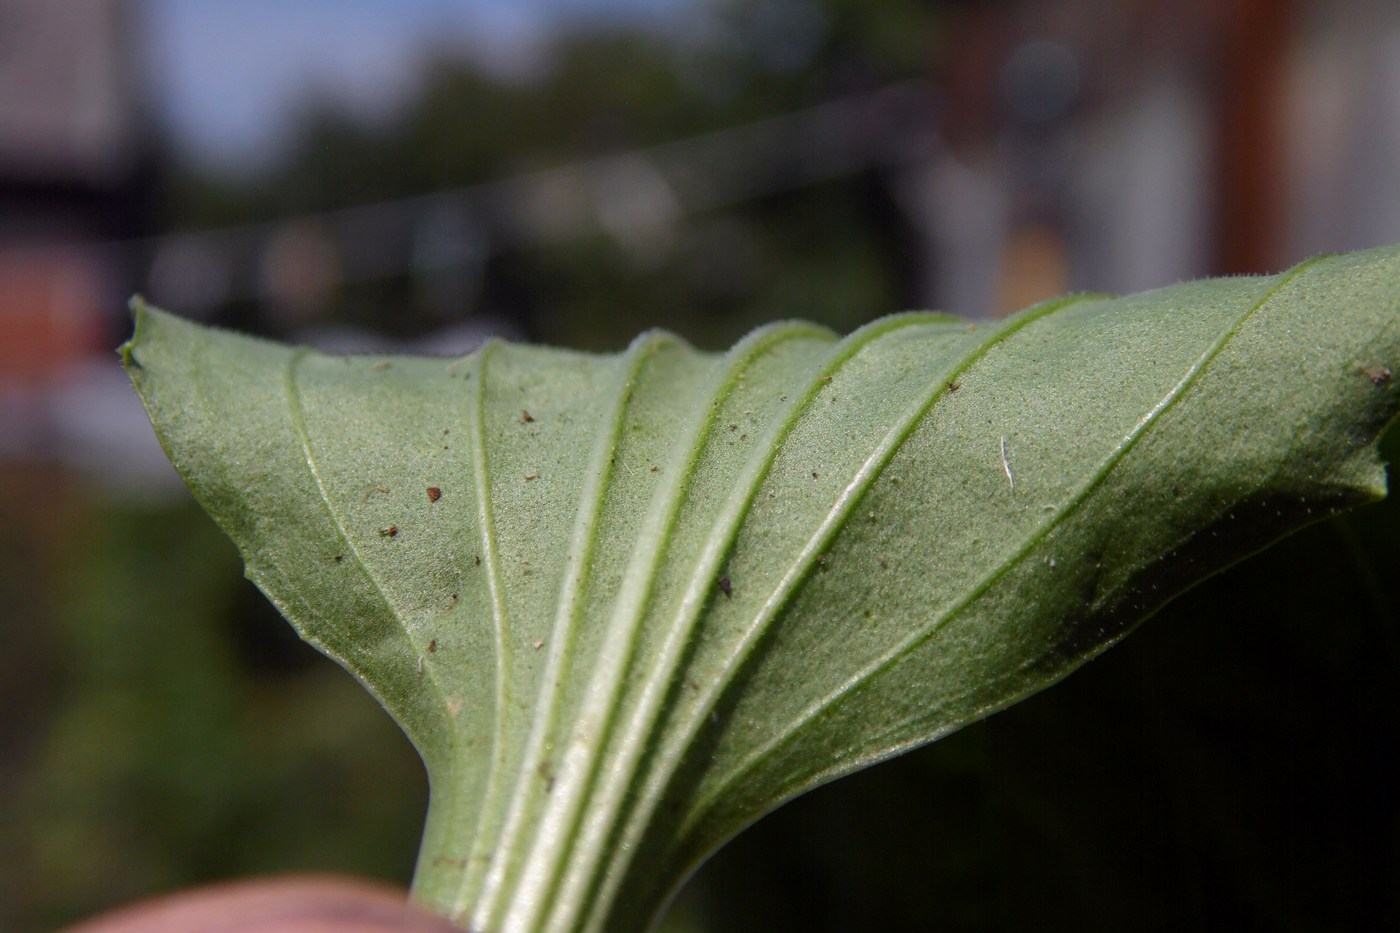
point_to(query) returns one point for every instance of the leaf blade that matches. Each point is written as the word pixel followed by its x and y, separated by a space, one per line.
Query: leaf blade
pixel 850 549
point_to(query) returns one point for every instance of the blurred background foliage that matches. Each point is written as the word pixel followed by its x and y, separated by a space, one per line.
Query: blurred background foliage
pixel 1231 766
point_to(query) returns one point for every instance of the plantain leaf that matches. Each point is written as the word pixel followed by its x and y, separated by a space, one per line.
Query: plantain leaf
pixel 625 604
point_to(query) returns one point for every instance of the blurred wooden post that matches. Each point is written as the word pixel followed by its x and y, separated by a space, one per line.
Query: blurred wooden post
pixel 1253 54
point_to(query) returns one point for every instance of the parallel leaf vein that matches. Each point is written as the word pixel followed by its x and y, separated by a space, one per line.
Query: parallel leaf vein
pixel 553 684
pixel 654 546
pixel 717 543
pixel 495 781
pixel 811 713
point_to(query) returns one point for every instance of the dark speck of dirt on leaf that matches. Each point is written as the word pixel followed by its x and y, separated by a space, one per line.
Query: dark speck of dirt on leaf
pixel 434 493
pixel 476 561
pixel 339 558
pixel 1379 375
pixel 814 474
pixel 432 645
pixel 725 586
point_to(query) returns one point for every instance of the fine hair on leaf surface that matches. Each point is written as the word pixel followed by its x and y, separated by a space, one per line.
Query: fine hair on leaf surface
pixel 625 604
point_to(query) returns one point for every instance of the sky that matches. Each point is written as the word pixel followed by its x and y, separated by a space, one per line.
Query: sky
pixel 227 76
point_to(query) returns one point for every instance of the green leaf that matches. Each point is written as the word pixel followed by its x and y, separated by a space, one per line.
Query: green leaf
pixel 625 604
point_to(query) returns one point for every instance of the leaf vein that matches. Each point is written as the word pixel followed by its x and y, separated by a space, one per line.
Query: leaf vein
pixel 639 581
pixel 718 543
pixel 297 415
pixel 552 685
pixel 916 639
pixel 481 479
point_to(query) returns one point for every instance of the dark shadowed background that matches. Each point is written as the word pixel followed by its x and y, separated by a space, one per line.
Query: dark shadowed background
pixel 423 174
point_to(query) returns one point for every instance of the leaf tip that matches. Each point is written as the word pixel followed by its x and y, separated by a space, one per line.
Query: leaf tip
pixel 127 351
pixel 144 316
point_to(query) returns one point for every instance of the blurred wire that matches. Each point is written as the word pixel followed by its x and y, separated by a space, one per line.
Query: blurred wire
pixel 635 196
